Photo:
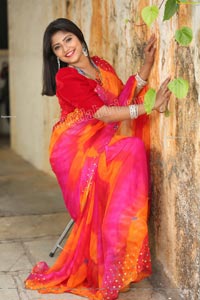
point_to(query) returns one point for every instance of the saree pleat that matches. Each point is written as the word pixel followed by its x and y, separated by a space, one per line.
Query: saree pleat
pixel 104 180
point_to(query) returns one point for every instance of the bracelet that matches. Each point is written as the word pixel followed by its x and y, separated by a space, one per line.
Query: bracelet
pixel 140 82
pixel 133 109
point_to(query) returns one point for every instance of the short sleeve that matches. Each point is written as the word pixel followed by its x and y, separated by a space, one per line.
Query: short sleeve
pixel 77 90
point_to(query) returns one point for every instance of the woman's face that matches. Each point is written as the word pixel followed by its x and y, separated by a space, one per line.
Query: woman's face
pixel 67 47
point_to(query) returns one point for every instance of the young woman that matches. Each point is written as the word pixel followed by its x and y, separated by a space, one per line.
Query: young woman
pixel 102 174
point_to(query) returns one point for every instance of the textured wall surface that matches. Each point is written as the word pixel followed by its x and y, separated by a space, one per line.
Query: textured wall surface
pixel 30 129
pixel 175 146
pixel 175 141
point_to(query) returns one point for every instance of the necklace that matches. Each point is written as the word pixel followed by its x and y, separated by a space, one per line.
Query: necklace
pixel 98 77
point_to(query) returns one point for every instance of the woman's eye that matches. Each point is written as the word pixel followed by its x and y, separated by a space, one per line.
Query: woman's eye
pixel 56 48
pixel 68 40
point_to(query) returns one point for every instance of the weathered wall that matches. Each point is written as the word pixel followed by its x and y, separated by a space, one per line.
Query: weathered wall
pixel 175 157
pixel 175 160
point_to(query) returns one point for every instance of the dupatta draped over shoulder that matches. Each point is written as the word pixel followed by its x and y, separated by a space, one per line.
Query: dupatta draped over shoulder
pixel 103 176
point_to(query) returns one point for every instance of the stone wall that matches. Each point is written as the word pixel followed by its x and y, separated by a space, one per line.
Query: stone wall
pixel 175 141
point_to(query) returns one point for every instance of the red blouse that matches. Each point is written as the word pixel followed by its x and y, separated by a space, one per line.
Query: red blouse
pixel 76 91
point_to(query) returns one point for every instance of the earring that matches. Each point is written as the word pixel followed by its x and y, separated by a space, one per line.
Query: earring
pixel 58 61
pixel 84 50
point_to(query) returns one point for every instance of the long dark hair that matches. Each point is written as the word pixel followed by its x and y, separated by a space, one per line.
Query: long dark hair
pixel 50 65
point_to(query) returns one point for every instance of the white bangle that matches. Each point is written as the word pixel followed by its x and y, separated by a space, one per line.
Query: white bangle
pixel 140 82
pixel 133 110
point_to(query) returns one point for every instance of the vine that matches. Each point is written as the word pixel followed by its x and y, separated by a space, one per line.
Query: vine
pixel 179 87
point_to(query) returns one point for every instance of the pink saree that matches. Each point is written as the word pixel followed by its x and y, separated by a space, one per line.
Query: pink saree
pixel 104 180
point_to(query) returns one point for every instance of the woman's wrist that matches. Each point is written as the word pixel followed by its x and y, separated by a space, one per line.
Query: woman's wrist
pixel 136 110
pixel 133 111
pixel 141 109
pixel 145 70
pixel 140 82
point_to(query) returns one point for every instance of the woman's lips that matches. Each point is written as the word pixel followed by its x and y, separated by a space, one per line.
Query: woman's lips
pixel 69 54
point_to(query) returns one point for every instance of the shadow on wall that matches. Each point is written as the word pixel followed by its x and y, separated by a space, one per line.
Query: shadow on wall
pixel 157 176
pixel 158 278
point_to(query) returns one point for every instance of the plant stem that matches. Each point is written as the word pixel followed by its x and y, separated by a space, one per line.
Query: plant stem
pixel 161 4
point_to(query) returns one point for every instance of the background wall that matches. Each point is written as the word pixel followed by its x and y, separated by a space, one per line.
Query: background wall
pixel 175 158
pixel 34 114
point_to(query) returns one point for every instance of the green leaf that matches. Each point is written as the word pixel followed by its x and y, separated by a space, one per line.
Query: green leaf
pixel 149 14
pixel 171 8
pixel 126 20
pixel 179 87
pixel 149 100
pixel 184 36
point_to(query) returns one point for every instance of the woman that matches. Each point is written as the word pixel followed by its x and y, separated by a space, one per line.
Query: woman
pixel 102 174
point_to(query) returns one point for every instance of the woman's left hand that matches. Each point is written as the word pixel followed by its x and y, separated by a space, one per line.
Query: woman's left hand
pixel 150 50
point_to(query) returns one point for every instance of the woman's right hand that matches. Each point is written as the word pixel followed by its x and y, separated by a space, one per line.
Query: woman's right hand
pixel 162 96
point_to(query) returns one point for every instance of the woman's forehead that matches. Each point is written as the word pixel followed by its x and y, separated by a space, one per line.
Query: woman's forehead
pixel 59 36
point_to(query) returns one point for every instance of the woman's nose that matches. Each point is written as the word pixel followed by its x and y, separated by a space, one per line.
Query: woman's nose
pixel 65 48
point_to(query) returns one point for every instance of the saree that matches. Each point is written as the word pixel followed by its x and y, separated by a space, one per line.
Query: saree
pixel 104 178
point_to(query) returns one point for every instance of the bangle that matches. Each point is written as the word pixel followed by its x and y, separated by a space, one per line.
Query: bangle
pixel 133 110
pixel 140 82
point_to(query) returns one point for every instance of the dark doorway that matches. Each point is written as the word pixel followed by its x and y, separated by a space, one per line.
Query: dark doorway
pixel 3 24
pixel 4 75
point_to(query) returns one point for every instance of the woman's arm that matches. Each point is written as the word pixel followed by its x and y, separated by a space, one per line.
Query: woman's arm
pixel 145 70
pixel 109 114
pixel 149 51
